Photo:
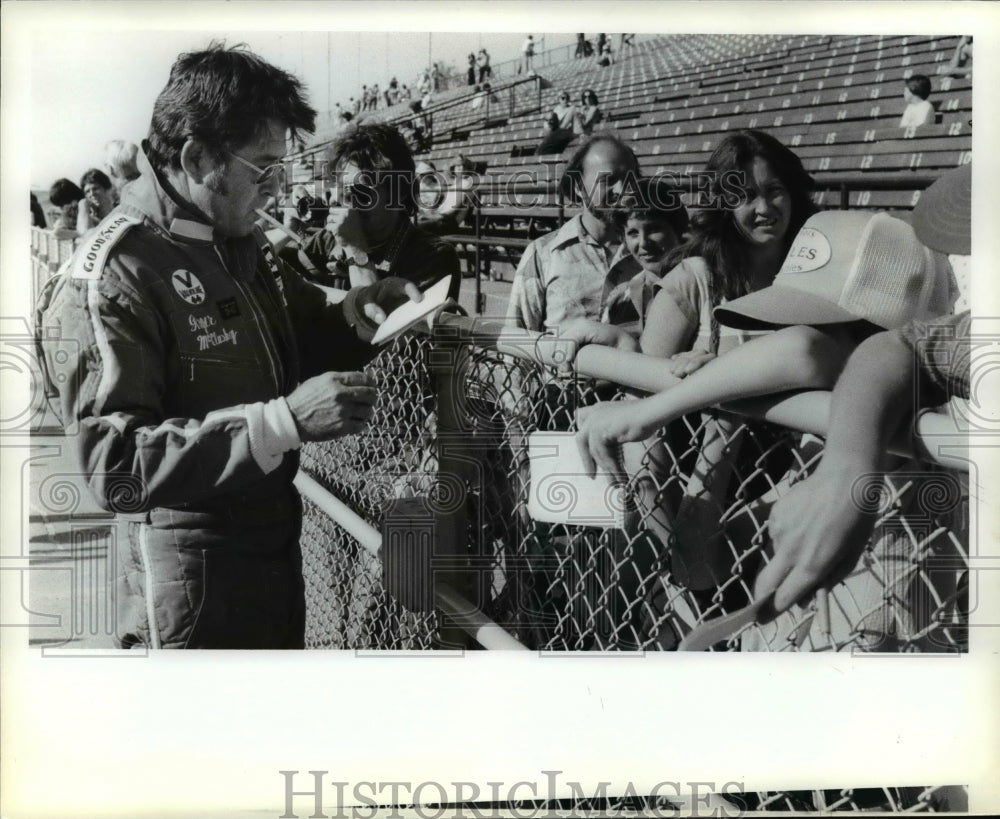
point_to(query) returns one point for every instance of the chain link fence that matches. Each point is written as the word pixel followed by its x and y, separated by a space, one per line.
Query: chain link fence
pixel 679 547
pixel 447 455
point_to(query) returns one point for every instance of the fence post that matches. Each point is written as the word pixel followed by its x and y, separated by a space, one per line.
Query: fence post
pixel 448 361
pixel 478 222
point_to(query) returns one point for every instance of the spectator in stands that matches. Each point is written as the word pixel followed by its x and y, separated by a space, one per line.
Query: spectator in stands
pixel 424 83
pixel 484 95
pixel 568 273
pixel 120 162
pixel 66 196
pixel 420 127
pixel 370 234
pixel 435 77
pixel 737 245
pixel 470 77
pixel 37 214
pixel 837 287
pixel 528 49
pixel 653 221
pixel 589 114
pixel 299 228
pixel 581 46
pixel 406 94
pixel 485 69
pixel 376 97
pixel 99 195
pixel 817 529
pixel 604 55
pixel 559 127
pixel 919 111
pixel 626 40
pixel 960 64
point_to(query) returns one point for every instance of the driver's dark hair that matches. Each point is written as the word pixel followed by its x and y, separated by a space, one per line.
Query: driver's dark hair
pixel 224 96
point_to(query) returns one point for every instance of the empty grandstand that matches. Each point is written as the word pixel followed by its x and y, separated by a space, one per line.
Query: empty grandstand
pixel 836 101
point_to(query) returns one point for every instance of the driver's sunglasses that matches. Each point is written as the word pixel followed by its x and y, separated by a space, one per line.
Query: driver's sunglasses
pixel 263 174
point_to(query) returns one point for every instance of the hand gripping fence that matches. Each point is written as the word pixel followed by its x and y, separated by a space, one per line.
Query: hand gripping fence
pixel 442 476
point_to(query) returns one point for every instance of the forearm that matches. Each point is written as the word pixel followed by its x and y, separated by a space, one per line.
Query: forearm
pixel 133 463
pixel 788 359
pixel 872 398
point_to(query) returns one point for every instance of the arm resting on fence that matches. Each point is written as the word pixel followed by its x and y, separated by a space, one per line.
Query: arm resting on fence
pixel 937 437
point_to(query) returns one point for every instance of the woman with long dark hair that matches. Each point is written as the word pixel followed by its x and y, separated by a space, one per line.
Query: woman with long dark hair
pixel 759 198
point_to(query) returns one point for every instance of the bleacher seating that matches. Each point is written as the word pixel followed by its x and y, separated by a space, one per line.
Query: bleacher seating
pixel 835 100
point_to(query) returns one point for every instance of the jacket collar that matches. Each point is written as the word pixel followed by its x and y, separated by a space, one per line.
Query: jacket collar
pixel 160 202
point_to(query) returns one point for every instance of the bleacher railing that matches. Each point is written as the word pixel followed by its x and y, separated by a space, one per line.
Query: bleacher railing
pixel 520 96
pixel 531 201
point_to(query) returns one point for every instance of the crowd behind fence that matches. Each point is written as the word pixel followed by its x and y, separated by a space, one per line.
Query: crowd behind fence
pixel 442 479
pixel 444 470
pixel 417 533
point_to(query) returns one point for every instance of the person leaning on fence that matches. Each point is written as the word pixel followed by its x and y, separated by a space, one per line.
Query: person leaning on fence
pixel 198 365
pixel 444 199
pixel 736 245
pixel 847 275
pixel 37 214
pixel 653 221
pixel 371 234
pixel 569 272
pixel 818 529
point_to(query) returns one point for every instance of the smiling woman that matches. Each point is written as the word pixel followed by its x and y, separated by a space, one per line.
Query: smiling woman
pixel 735 247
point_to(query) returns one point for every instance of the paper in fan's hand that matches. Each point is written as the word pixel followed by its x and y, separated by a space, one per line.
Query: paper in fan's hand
pixel 411 312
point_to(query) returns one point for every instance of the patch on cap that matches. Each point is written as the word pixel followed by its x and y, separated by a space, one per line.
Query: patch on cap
pixel 810 251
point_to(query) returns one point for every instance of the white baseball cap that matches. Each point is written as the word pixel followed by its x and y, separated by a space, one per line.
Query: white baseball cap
pixel 847 266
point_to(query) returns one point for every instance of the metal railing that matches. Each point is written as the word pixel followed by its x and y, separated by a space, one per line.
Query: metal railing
pixel 480 239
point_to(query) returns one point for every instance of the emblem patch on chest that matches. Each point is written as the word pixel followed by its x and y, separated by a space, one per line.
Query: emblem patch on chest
pixel 188 286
